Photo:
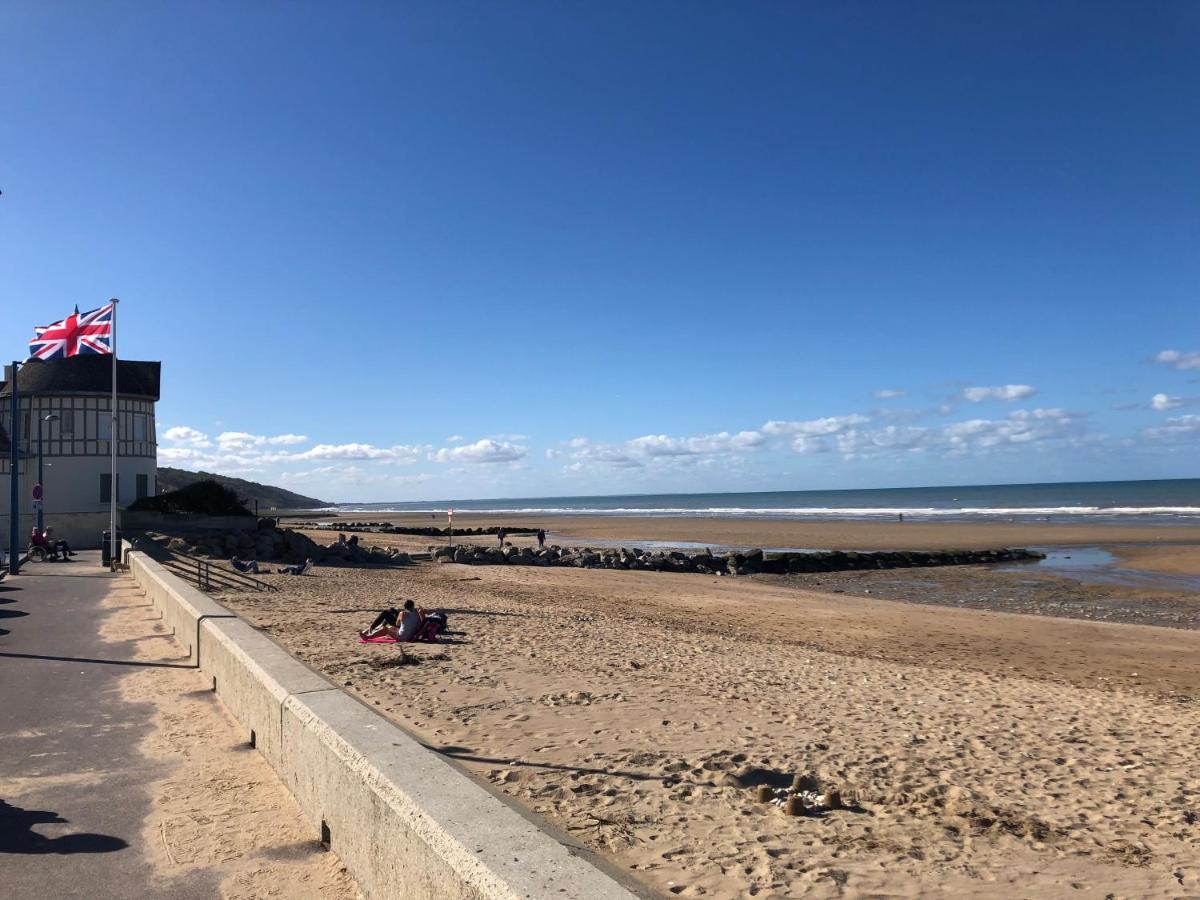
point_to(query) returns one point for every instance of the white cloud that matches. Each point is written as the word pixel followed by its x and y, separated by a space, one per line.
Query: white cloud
pixel 1020 427
pixel 395 453
pixel 723 442
pixel 507 437
pixel 858 442
pixel 482 451
pixel 956 439
pixel 455 438
pixel 1162 402
pixel 1176 428
pixel 323 473
pixel 999 392
pixel 181 455
pixel 585 452
pixel 182 434
pixel 242 440
pixel 811 427
pixel 886 394
pixel 239 440
pixel 1178 360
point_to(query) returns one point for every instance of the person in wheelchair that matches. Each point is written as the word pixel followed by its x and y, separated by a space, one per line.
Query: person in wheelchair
pixel 43 546
pixel 40 548
pixel 59 545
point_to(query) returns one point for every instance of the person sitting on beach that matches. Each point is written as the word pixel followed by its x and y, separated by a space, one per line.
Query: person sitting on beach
pixel 401 625
pixel 297 569
pixel 243 565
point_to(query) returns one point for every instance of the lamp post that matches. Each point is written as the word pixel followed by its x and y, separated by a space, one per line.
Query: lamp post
pixel 14 437
pixel 41 500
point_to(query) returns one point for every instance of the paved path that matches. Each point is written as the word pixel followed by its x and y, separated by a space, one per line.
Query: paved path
pixel 73 794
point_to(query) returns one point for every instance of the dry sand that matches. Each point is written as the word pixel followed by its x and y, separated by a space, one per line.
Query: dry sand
pixel 221 808
pixel 994 755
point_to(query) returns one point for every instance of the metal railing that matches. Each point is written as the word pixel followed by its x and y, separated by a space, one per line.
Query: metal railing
pixel 201 572
pixel 210 578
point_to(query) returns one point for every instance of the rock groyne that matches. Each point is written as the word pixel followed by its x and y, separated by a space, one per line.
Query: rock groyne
pixel 751 562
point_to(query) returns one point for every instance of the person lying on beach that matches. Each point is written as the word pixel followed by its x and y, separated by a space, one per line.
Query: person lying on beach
pixel 297 569
pixel 400 625
pixel 244 565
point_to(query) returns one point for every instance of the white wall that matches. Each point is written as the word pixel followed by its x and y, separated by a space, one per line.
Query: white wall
pixel 72 483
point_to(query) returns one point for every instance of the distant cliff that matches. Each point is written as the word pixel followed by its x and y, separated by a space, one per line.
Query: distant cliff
pixel 267 496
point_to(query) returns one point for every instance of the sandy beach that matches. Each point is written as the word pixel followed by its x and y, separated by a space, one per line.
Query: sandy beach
pixel 835 534
pixel 992 753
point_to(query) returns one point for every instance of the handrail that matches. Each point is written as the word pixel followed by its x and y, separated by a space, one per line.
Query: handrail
pixel 201 571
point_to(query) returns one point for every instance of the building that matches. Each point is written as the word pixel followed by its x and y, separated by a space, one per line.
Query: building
pixel 75 393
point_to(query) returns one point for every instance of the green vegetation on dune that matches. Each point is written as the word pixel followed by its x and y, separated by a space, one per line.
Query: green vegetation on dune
pixel 267 496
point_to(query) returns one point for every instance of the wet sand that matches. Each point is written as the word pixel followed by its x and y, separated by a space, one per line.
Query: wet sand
pixel 993 754
pixel 823 534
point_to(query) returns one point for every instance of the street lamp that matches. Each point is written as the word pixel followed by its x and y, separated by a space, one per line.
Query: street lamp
pixel 41 490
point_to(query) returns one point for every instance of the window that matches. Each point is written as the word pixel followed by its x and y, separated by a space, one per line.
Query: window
pixel 66 422
pixel 139 429
pixel 105 488
pixel 103 425
pixel 143 486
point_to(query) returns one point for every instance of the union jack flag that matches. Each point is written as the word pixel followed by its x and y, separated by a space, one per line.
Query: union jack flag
pixel 77 334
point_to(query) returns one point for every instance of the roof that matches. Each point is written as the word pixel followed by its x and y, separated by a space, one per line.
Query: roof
pixel 90 374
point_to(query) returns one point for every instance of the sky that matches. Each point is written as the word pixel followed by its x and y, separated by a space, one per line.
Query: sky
pixel 464 250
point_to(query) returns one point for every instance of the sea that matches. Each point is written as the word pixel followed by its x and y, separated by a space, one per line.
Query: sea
pixel 1175 501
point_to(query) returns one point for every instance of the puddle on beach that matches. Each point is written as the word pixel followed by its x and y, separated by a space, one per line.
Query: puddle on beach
pixel 1095 565
pixel 1092 565
pixel 567 540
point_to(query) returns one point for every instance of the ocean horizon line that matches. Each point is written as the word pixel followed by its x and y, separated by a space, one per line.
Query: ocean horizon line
pixel 442 503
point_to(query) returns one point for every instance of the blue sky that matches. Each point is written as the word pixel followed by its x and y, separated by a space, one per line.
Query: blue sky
pixel 444 250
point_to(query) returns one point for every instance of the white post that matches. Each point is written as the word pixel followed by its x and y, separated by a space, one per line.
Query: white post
pixel 112 492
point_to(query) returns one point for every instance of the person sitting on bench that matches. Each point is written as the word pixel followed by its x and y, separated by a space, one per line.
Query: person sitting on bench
pixel 297 569
pixel 245 565
pixel 400 625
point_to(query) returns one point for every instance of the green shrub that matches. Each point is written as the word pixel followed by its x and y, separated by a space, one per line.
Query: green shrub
pixel 205 497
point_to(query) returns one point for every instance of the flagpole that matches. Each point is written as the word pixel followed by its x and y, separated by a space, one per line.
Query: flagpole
pixel 14 548
pixel 113 552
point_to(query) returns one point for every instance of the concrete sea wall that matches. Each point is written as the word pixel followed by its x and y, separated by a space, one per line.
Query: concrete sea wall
pixel 404 820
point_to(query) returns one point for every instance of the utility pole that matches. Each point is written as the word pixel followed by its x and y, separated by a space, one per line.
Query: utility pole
pixel 39 495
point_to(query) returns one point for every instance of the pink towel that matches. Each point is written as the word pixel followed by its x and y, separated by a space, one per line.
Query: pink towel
pixel 378 639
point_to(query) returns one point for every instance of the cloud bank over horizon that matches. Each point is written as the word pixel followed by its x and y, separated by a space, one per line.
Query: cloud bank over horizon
pixel 922 440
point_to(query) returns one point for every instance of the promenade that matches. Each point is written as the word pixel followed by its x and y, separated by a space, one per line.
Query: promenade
pixel 77 787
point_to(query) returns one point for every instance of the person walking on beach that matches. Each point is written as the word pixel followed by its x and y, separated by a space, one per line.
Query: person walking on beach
pixel 541 536
pixel 501 535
